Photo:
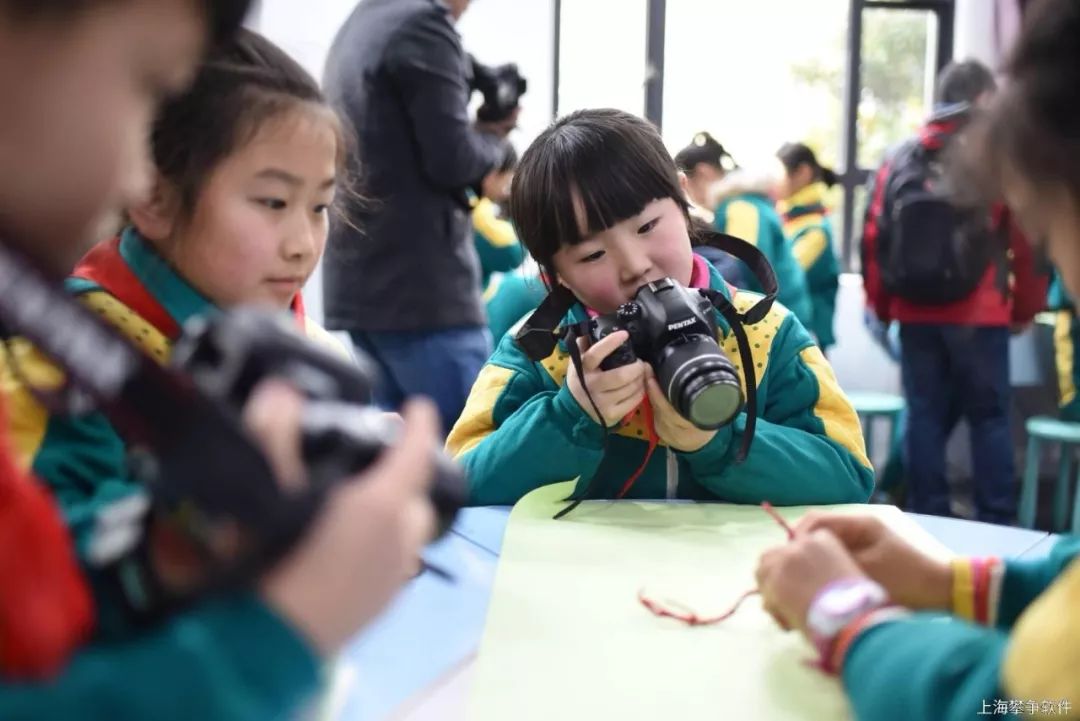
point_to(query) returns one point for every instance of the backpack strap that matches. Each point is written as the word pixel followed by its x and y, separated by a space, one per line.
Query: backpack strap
pixel 1000 232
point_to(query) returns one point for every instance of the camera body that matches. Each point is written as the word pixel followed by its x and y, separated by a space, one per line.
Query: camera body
pixel 228 354
pixel 674 329
pixel 502 87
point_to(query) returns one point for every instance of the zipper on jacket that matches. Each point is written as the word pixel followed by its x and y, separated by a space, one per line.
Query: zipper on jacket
pixel 672 490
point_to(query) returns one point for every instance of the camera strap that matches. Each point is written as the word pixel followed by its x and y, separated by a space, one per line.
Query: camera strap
pixel 574 333
pixel 758 264
pixel 746 358
pixel 540 333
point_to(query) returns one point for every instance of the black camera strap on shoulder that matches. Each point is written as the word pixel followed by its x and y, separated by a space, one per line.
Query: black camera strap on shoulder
pixel 759 265
pixel 735 320
pixel 192 446
pixel 542 331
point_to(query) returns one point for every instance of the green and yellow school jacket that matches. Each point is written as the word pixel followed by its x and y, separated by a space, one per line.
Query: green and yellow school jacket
pixel 1016 643
pixel 497 244
pixel 809 229
pixel 229 658
pixel 1066 341
pixel 509 298
pixel 522 429
pixel 500 252
pixel 82 459
pixel 749 214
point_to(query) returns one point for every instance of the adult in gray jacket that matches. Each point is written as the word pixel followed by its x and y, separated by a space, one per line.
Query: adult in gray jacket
pixel 404 282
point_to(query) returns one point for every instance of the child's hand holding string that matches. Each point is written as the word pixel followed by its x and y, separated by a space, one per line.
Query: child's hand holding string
pixel 912 578
pixel 616 392
pixel 790 576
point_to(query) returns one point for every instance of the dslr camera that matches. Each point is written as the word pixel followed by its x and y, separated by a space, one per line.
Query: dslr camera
pixel 341 433
pixel 673 329
pixel 502 87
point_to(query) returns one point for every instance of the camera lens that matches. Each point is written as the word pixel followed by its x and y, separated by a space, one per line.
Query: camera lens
pixel 700 381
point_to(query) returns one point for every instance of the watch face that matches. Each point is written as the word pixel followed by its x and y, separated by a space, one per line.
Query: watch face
pixel 844 600
pixel 840 605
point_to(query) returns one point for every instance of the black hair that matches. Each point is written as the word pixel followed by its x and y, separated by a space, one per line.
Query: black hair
pixel 1033 126
pixel 963 82
pixel 611 162
pixel 242 84
pixel 224 16
pixel 704 149
pixel 510 159
pixel 792 155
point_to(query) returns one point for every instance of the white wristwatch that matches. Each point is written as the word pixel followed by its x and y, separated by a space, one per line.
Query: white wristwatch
pixel 840 603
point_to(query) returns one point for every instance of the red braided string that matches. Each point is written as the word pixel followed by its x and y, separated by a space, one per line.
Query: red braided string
pixel 681 612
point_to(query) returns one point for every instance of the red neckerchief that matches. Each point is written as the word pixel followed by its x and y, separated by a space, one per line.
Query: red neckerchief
pixel 46 610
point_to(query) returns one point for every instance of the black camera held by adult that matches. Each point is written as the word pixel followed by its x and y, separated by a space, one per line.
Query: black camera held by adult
pixel 674 329
pixel 502 87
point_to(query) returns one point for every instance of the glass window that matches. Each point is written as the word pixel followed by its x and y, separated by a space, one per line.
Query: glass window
pixel 755 75
pixel 602 69
pixel 853 262
pixel 898 69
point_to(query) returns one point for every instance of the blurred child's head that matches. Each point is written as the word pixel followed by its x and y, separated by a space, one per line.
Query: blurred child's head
pixel 1028 143
pixel 703 162
pixel 247 164
pixel 800 168
pixel 965 81
pixel 499 191
pixel 80 81
pixel 596 200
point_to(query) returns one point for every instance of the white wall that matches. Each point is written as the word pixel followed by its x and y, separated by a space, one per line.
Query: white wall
pixel 974 31
pixel 519 31
pixel 495 31
pixel 985 30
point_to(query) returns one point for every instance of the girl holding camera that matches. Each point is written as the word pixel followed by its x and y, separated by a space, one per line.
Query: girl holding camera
pixel 597 201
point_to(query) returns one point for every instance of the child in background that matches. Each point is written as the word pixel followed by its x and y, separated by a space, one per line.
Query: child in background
pixel 801 191
pixel 496 242
pixel 737 203
pixel 509 293
pixel 1066 340
pixel 598 203
pixel 976 633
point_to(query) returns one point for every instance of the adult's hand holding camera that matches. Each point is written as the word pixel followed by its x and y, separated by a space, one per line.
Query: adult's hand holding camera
pixel 500 128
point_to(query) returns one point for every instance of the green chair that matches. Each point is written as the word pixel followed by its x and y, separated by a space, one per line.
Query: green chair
pixel 1066 435
pixel 870 405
